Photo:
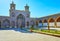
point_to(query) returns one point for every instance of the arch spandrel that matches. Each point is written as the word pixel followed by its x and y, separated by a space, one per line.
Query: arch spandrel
pixel 58 19
pixel 51 20
pixel 45 21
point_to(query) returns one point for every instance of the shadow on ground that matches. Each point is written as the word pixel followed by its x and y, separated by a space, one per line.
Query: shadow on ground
pixel 23 30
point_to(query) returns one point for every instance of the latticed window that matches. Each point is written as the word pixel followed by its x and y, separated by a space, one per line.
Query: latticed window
pixel 21 20
pixel 6 22
pixel 45 21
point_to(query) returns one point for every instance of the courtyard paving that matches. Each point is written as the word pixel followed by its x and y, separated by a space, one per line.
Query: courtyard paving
pixel 11 35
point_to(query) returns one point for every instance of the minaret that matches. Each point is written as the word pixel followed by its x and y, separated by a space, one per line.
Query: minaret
pixel 12 6
pixel 27 8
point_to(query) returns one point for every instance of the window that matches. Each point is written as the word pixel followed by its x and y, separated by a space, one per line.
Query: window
pixel 13 14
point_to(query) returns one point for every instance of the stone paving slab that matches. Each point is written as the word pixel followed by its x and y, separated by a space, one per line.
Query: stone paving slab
pixel 11 35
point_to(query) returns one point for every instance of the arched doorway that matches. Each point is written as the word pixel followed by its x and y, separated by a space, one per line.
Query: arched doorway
pixel 40 23
pixel 36 23
pixel 13 24
pixel 45 23
pixel 20 21
pixel 58 22
pixel 6 23
pixel 51 22
pixel 28 24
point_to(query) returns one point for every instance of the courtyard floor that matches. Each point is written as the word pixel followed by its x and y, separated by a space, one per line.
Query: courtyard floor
pixel 11 35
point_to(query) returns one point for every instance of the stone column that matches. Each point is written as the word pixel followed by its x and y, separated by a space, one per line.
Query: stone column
pixel 48 26
pixel 2 24
pixel 15 24
pixel 55 24
pixel 10 25
pixel 25 25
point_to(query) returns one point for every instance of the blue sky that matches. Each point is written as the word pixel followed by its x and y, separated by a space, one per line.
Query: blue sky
pixel 38 8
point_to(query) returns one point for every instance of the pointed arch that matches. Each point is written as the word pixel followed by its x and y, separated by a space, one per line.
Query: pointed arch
pixel 40 23
pixel 20 20
pixel 58 21
pixel 6 23
pixel 20 16
pixel 51 22
pixel 45 23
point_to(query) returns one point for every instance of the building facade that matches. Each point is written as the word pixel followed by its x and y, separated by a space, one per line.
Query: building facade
pixel 21 18
pixel 17 18
pixel 50 21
